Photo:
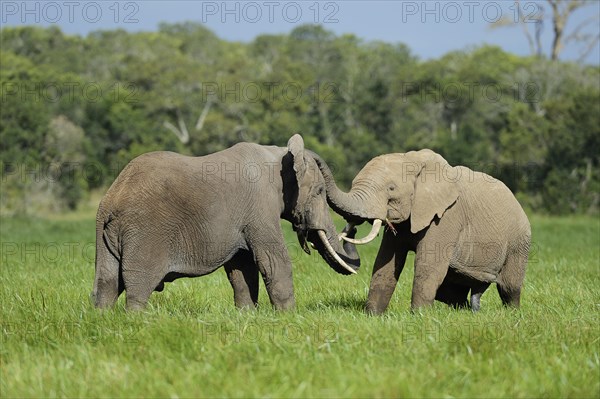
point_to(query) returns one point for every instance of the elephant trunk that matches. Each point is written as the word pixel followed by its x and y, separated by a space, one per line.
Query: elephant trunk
pixel 349 205
pixel 343 258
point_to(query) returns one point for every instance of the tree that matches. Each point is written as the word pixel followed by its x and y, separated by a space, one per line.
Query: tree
pixel 528 121
pixel 531 18
pixel 64 153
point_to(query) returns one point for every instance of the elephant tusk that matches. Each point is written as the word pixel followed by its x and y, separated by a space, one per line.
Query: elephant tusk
pixel 374 231
pixel 344 232
pixel 329 248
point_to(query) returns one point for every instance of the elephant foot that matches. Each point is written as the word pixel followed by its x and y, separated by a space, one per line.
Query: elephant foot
pixel 288 304
pixel 374 309
pixel 475 302
pixel 135 306
pixel 476 293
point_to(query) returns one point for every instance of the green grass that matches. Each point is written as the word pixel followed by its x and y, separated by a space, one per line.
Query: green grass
pixel 193 342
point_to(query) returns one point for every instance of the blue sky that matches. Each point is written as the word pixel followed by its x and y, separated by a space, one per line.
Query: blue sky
pixel 429 28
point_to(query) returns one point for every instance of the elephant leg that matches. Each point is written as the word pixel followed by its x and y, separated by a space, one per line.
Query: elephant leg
pixel 108 284
pixel 453 294
pixel 511 279
pixel 510 296
pixel 271 257
pixel 137 294
pixel 386 271
pixel 243 276
pixel 143 272
pixel 476 293
pixel 276 271
pixel 431 266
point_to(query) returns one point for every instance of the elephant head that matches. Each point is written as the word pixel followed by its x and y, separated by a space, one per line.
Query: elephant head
pixel 417 185
pixel 307 209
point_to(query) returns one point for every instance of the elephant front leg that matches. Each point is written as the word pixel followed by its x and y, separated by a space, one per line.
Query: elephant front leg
pixel 276 271
pixel 275 266
pixel 243 276
pixel 386 271
pixel 431 266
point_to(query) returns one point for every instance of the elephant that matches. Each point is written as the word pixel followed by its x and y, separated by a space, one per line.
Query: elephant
pixel 168 216
pixel 466 228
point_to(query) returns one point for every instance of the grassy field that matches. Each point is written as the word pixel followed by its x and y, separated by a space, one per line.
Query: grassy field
pixel 192 341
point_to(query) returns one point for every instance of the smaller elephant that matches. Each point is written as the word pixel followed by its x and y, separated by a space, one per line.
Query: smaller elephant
pixel 466 228
pixel 168 216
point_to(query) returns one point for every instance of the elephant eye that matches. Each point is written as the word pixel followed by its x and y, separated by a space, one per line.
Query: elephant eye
pixel 391 188
pixel 320 190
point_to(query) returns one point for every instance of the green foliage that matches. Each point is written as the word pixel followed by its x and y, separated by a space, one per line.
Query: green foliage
pixel 192 342
pixel 530 122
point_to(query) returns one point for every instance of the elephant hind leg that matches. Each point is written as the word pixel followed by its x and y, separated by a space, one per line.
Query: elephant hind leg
pixel 511 279
pixel 510 296
pixel 476 293
pixel 243 276
pixel 453 294
pixel 143 273
pixel 108 281
pixel 138 287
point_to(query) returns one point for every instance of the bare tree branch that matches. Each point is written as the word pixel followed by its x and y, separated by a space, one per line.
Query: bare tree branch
pixel 561 11
pixel 591 45
pixel 539 28
pixel 181 133
pixel 204 113
pixel 525 29
pixel 590 40
pixel 523 21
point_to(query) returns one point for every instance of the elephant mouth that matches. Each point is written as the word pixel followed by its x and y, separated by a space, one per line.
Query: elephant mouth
pixel 339 262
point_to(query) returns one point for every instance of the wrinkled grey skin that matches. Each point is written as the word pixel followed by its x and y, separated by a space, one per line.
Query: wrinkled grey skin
pixel 168 216
pixel 466 228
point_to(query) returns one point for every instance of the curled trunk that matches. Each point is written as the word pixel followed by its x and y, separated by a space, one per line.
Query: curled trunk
pixel 349 205
pixel 346 252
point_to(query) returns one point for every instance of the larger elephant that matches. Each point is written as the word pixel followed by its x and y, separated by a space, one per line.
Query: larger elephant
pixel 466 228
pixel 168 216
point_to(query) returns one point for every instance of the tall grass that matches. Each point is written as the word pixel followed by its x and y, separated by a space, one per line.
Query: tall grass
pixel 191 341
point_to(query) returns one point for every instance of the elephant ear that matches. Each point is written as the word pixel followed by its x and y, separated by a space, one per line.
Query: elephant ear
pixel 435 190
pixel 296 148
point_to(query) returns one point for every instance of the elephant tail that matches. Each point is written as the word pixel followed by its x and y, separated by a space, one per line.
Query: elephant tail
pixel 107 234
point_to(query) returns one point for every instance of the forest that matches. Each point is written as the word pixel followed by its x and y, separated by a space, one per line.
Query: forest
pixel 75 110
